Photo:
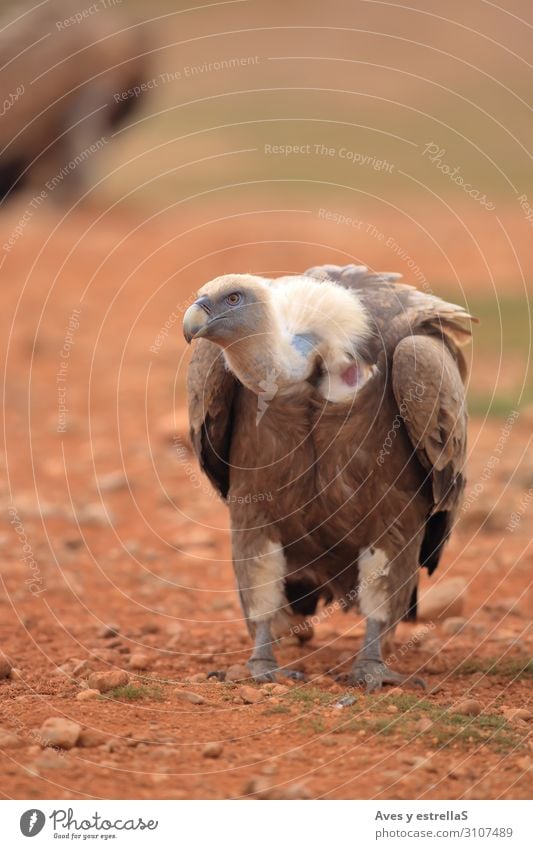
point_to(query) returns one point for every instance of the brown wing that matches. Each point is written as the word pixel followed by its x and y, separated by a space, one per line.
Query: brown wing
pixel 398 310
pixel 421 334
pixel 211 391
pixel 430 395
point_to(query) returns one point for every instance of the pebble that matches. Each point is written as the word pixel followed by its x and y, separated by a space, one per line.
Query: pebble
pixel 95 513
pixel 237 672
pixel 261 788
pixel 394 691
pixel 87 695
pixel 442 601
pixel 347 701
pixel 81 668
pixel 468 707
pixel 60 732
pixel 212 750
pixel 198 678
pixel 249 695
pixel 112 482
pixel 279 689
pixel 392 709
pixel 16 674
pixel 453 625
pixel 5 666
pixel 192 698
pixel 424 724
pixel 517 714
pixel 90 738
pixel 138 660
pixel 104 681
pixel 9 740
pixel 108 631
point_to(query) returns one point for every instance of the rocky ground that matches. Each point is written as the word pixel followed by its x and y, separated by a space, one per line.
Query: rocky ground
pixel 118 596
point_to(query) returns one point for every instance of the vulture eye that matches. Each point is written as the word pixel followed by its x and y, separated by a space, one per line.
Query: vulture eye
pixel 233 299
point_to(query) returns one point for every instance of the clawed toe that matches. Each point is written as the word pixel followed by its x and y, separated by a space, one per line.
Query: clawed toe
pixel 374 674
pixel 267 673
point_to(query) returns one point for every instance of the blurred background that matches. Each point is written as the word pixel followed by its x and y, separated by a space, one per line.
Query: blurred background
pixel 146 148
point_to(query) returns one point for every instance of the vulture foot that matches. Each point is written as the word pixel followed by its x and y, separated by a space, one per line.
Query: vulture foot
pixel 265 671
pixel 376 673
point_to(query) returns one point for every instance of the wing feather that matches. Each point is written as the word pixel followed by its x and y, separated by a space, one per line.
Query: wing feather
pixel 211 390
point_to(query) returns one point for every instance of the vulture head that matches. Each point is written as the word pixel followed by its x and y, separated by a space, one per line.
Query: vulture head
pixel 290 330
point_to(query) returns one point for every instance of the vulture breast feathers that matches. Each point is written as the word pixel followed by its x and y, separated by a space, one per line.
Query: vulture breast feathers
pixel 328 410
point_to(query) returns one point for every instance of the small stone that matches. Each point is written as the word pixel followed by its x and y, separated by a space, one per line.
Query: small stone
pixel 524 763
pixel 113 482
pixel 5 666
pixel 59 732
pixel 279 689
pixel 347 701
pixel 95 513
pixel 192 698
pixel 198 678
pixel 423 725
pixel 81 668
pixel 87 695
pixel 443 600
pixel 237 672
pixel 394 691
pixel 517 714
pixel 138 660
pixel 104 681
pixel 90 738
pixel 392 709
pixel 109 631
pixel 260 788
pixel 212 750
pixel 468 707
pixel 453 625
pixel 9 740
pixel 16 674
pixel 249 695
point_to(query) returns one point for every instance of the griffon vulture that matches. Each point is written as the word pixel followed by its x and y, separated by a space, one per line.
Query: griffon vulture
pixel 66 67
pixel 339 393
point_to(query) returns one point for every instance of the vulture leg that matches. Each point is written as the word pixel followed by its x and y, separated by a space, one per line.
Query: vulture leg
pixel 385 590
pixel 260 569
pixel 262 663
pixel 369 668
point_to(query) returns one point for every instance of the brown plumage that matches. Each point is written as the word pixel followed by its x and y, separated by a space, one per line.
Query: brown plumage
pixel 341 455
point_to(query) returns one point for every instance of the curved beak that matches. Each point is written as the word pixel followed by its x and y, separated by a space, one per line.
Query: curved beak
pixel 196 319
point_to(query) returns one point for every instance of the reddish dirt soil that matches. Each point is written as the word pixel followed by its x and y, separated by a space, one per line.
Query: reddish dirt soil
pixel 122 530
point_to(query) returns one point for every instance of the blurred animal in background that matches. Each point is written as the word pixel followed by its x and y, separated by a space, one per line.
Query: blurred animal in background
pixel 328 409
pixel 70 75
